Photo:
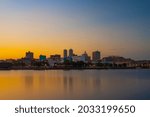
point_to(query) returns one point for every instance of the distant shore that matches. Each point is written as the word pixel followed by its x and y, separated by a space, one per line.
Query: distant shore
pixel 68 68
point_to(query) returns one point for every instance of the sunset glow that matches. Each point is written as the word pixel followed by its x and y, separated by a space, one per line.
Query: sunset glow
pixel 49 26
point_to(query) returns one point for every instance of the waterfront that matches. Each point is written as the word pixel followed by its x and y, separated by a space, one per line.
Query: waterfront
pixel 75 84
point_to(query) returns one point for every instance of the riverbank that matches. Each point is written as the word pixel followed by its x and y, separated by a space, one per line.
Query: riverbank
pixel 87 68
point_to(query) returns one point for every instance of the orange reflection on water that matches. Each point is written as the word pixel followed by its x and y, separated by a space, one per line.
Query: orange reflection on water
pixel 44 85
pixel 75 84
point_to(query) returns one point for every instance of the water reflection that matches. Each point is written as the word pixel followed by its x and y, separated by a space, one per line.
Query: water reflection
pixel 29 80
pixel 68 84
pixel 75 84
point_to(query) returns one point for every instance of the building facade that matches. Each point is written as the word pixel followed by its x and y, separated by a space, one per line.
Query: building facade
pixel 70 52
pixel 42 57
pixel 96 56
pixel 65 53
pixel 29 55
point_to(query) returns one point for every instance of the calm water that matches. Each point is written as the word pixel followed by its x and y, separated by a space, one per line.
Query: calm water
pixel 75 84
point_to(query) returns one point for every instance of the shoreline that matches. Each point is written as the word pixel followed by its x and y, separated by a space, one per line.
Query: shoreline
pixel 38 69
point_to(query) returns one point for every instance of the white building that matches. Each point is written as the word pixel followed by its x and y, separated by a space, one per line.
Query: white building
pixel 78 58
pixel 52 62
pixel 87 58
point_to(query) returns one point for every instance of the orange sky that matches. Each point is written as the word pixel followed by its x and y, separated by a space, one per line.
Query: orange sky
pixel 48 29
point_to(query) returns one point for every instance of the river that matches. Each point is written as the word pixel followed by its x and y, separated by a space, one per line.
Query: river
pixel 75 84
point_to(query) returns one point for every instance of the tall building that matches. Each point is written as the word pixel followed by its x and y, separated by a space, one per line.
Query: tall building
pixel 70 52
pixel 29 55
pixel 65 53
pixel 96 55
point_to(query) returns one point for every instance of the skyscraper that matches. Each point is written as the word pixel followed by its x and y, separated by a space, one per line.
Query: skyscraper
pixel 96 56
pixel 70 52
pixel 29 55
pixel 65 53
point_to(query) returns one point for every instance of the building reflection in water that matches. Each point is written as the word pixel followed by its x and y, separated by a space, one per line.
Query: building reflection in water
pixel 80 83
pixel 75 84
pixel 28 79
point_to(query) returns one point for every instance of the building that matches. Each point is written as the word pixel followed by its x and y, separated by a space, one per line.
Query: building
pixel 56 57
pixel 42 57
pixel 65 53
pixel 96 56
pixel 118 60
pixel 87 58
pixel 78 58
pixel 71 53
pixel 51 62
pixel 10 60
pixel 54 60
pixel 29 55
pixel 26 61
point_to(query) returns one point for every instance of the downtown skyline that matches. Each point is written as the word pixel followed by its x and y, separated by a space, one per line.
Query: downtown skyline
pixel 30 54
pixel 47 27
pixel 67 53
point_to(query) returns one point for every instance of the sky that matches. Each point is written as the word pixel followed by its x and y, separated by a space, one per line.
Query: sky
pixel 114 27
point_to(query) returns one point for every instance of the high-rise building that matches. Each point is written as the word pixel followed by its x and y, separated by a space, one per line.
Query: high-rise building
pixel 96 55
pixel 70 52
pixel 65 53
pixel 29 55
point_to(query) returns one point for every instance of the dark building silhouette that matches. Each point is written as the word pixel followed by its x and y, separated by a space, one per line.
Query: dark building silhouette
pixel 96 55
pixel 70 52
pixel 29 55
pixel 65 53
pixel 55 57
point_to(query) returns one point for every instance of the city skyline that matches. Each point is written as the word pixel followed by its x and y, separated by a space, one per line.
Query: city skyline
pixel 47 27
pixel 68 53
